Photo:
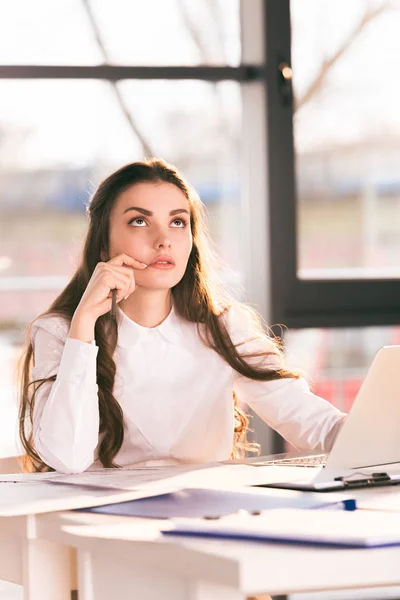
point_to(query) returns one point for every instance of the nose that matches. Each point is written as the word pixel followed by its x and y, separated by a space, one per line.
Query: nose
pixel 162 239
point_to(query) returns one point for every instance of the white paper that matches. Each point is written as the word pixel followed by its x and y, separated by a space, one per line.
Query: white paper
pixel 386 498
pixel 38 493
pixel 26 477
pixel 127 478
pixel 172 478
pixel 43 497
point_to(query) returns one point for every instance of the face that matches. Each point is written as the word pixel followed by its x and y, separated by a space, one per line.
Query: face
pixel 149 220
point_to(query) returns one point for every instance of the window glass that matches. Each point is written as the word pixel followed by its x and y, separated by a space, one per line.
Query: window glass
pixel 91 32
pixel 44 32
pixel 172 32
pixel 346 57
pixel 336 361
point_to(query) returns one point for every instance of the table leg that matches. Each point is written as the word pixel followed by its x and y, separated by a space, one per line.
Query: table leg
pixel 85 575
pixel 209 591
pixel 100 579
pixel 46 570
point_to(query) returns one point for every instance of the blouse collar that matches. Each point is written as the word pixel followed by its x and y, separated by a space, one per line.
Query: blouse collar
pixel 129 332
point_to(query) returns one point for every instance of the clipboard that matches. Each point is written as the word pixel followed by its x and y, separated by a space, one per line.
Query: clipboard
pixel 349 482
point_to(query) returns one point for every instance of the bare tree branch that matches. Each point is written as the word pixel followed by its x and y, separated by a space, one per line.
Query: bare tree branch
pixel 214 9
pixel 218 18
pixel 326 66
pixel 205 52
pixel 194 31
pixel 147 151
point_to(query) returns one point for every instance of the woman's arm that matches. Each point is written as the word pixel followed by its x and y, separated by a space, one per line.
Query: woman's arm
pixel 287 405
pixel 305 420
pixel 66 414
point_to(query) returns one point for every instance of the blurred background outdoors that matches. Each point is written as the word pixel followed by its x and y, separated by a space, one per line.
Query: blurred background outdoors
pixel 59 138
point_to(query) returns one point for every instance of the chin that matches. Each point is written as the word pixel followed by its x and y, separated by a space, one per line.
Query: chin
pixel 167 283
pixel 146 278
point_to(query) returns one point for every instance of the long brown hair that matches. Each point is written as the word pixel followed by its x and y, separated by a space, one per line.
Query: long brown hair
pixel 198 297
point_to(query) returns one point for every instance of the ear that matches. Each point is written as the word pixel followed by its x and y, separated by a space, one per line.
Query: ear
pixel 103 256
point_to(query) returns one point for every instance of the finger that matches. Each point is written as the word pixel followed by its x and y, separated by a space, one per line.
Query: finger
pixel 124 259
pixel 112 276
pixel 124 272
pixel 121 283
pixel 120 295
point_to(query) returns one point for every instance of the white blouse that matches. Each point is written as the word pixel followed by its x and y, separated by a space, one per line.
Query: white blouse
pixel 175 393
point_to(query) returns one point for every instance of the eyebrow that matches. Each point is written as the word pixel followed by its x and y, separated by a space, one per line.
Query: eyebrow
pixel 149 213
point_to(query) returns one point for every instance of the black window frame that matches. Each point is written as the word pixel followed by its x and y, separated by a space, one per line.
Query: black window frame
pixel 295 302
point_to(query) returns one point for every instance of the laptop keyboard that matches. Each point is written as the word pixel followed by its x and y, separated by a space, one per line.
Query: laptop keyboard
pixel 318 460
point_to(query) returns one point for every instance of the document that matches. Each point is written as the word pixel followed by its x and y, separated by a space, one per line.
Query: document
pixel 215 503
pixel 23 494
pixel 130 478
pixel 358 529
pixel 215 475
pixel 43 496
pixel 26 477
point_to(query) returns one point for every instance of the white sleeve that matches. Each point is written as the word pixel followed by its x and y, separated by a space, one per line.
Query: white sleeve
pixel 305 420
pixel 66 413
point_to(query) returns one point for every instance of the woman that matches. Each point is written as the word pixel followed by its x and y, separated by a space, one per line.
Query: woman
pixel 159 383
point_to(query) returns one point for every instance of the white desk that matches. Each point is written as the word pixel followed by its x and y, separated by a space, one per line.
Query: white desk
pixel 35 552
pixel 118 555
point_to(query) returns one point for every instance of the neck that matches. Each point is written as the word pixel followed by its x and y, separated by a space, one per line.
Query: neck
pixel 147 308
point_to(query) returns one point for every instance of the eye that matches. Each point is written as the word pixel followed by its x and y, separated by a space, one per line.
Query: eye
pixel 135 221
pixel 141 222
pixel 181 221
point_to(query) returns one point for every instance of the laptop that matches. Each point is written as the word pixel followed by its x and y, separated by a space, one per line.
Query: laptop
pixel 366 451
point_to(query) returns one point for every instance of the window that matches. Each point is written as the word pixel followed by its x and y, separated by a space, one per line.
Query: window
pixel 332 165
pixel 171 32
pixel 347 139
pixel 336 361
pixel 332 147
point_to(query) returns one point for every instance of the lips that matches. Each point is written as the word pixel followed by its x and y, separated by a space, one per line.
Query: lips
pixel 163 259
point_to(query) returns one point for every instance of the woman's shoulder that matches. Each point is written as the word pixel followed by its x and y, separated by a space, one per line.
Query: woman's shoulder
pixel 55 324
pixel 240 318
pixel 251 338
pixel 246 326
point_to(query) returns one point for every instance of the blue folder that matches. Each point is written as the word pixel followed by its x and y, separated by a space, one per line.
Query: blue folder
pixel 359 529
pixel 211 503
pixel 180 531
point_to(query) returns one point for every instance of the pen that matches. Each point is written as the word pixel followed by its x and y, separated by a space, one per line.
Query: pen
pixel 113 303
